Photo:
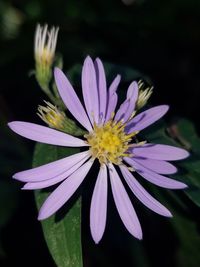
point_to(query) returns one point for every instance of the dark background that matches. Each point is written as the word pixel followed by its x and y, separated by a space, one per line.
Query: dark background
pixel 160 39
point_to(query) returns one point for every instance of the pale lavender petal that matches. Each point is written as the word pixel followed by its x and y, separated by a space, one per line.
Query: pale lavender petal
pixel 64 191
pixel 50 170
pixel 112 97
pixel 143 195
pixel 156 178
pixel 160 152
pixel 112 105
pixel 56 179
pixel 90 91
pixel 124 205
pixel 132 94
pixel 128 106
pixel 45 134
pixel 146 118
pixel 98 209
pixel 102 88
pixel 158 166
pixel 122 110
pixel 70 99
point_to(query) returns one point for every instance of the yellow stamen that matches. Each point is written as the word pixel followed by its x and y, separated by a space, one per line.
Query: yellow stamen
pixel 109 142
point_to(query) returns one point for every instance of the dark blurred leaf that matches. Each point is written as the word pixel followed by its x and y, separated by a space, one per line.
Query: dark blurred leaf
pixel 63 235
pixel 8 205
pixel 128 74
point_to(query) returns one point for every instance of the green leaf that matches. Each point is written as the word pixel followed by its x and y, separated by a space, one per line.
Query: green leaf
pixel 62 231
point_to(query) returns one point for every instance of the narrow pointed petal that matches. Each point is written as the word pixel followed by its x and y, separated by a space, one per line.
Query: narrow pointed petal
pixel 57 179
pixel 50 170
pixel 90 91
pixel 132 94
pixel 112 105
pixel 143 195
pixel 128 106
pixel 98 209
pixel 146 118
pixel 70 99
pixel 122 110
pixel 160 152
pixel 158 166
pixel 64 191
pixel 157 179
pixel 124 205
pixel 112 97
pixel 102 88
pixel 45 134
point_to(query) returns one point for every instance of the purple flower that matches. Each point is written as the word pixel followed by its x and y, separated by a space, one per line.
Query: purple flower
pixel 111 140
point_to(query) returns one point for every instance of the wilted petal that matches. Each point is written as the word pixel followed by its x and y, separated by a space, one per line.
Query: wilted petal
pixel 57 179
pixel 64 191
pixel 124 205
pixel 157 179
pixel 98 209
pixel 102 88
pixel 90 91
pixel 146 118
pixel 70 99
pixel 143 195
pixel 50 170
pixel 112 97
pixel 45 134
pixel 158 166
pixel 160 152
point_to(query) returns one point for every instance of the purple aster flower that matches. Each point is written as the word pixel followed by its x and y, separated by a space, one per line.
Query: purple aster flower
pixel 110 140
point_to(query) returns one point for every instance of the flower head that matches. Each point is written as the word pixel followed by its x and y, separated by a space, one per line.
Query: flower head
pixel 111 141
pixel 52 116
pixel 45 44
pixel 44 50
pixel 144 95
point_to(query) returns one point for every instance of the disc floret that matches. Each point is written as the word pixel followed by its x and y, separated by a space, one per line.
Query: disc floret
pixel 109 142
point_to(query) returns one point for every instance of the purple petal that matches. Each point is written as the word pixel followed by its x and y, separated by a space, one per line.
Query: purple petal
pixel 50 170
pixel 98 209
pixel 157 179
pixel 45 134
pixel 127 107
pixel 102 88
pixel 146 118
pixel 64 191
pixel 123 204
pixel 70 99
pixel 112 97
pixel 132 94
pixel 160 152
pixel 90 91
pixel 122 110
pixel 143 195
pixel 158 166
pixel 56 179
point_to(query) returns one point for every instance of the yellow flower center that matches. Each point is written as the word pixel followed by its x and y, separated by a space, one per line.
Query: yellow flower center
pixel 109 142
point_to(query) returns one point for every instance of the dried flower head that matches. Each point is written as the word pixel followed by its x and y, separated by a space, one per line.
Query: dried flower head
pixel 144 95
pixel 45 44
